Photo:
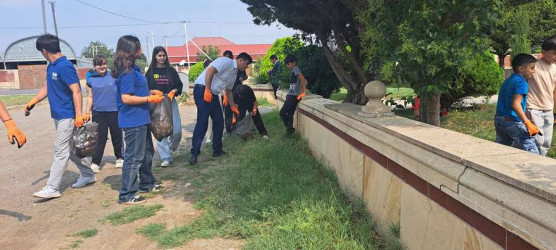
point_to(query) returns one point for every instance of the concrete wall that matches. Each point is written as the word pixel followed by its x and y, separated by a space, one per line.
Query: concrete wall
pixel 445 189
pixel 32 76
pixel 9 79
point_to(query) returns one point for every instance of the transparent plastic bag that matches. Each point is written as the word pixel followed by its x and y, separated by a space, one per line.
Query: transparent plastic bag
pixel 84 140
pixel 161 119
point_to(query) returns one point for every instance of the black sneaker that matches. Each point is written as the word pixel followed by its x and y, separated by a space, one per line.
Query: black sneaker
pixel 134 201
pixel 193 160
pixel 218 154
pixel 155 189
pixel 289 132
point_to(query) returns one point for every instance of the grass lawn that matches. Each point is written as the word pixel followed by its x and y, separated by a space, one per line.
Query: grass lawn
pixel 275 195
pixel 15 100
pixel 394 92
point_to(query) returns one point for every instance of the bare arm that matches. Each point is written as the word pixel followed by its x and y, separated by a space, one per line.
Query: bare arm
pixel 130 99
pixel 4 115
pixel 89 100
pixel 303 82
pixel 77 98
pixel 42 93
pixel 230 96
pixel 516 106
pixel 209 75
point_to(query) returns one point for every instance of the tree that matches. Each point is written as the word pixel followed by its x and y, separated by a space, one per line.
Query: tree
pixel 96 48
pixel 428 41
pixel 520 40
pixel 330 23
pixel 320 77
pixel 281 48
pixel 195 71
pixel 212 51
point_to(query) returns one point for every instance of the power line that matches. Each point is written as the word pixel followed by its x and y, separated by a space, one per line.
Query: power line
pixel 120 15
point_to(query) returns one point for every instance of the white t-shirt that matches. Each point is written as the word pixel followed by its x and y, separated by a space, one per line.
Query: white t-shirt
pixel 541 87
pixel 224 78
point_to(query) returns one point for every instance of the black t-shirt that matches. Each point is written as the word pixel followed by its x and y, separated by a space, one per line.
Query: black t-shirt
pixel 241 75
pixel 164 79
pixel 244 95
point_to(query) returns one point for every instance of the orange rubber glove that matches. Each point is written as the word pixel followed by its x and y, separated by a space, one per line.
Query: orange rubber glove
pixel 172 94
pixel 208 95
pixel 531 128
pixel 79 121
pixel 86 117
pixel 30 105
pixel 235 110
pixel 300 96
pixel 155 99
pixel 224 100
pixel 15 133
pixel 156 92
pixel 234 120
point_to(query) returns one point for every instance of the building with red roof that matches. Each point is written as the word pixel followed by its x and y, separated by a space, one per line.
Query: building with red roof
pixel 178 53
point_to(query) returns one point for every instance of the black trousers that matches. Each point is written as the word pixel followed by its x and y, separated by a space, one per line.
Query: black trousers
pixel 257 119
pixel 228 118
pixel 275 88
pixel 288 110
pixel 107 120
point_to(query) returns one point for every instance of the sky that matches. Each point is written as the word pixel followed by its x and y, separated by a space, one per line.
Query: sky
pixel 206 18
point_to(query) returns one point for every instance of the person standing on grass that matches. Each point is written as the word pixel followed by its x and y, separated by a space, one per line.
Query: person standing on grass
pixel 275 74
pixel 247 103
pixel 219 76
pixel 101 101
pixel 540 99
pixel 164 79
pixel 512 126
pixel 134 118
pixel 296 92
pixel 64 95
pixel 228 114
pixel 11 127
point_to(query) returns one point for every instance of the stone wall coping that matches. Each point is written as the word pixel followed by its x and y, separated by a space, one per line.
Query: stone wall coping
pixel 531 173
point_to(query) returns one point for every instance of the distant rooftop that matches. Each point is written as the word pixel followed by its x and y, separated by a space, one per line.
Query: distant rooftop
pixel 25 50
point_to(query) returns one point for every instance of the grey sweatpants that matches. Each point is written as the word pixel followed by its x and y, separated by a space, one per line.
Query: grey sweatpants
pixel 62 153
pixel 544 119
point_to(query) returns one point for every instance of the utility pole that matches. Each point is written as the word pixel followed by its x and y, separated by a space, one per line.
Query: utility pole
pixel 186 44
pixel 166 43
pixel 152 40
pixel 54 17
pixel 147 52
pixel 44 15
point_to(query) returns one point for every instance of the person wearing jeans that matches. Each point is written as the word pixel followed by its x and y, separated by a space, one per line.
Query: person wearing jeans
pixel 101 101
pixel 65 98
pixel 296 92
pixel 134 118
pixel 164 79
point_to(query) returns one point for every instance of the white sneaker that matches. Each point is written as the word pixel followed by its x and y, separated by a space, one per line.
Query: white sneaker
pixel 265 137
pixel 165 164
pixel 95 168
pixel 47 192
pixel 119 163
pixel 83 181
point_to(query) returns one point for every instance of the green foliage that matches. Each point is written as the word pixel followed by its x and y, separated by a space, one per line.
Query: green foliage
pixel 152 231
pixel 263 102
pixel 131 214
pixel 86 233
pixel 97 48
pixel 321 79
pixel 281 48
pixel 520 40
pixel 212 51
pixel 195 71
pixel 479 75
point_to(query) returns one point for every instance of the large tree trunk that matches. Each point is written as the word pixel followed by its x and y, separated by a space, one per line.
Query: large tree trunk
pixel 501 57
pixel 430 111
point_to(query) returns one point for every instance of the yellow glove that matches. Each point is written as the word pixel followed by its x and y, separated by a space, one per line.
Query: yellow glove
pixel 154 98
pixel 30 105
pixel 235 110
pixel 156 92
pixel 208 95
pixel 531 128
pixel 15 133
pixel 86 117
pixel 300 96
pixel 224 100
pixel 79 121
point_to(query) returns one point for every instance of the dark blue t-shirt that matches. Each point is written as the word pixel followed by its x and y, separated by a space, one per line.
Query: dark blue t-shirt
pixel 133 83
pixel 60 74
pixel 514 85
pixel 104 92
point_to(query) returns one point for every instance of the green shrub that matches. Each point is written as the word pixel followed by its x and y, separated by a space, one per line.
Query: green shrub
pixel 281 48
pixel 195 71
pixel 321 79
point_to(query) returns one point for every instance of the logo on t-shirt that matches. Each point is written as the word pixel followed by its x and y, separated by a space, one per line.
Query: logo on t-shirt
pixel 156 76
pixel 54 76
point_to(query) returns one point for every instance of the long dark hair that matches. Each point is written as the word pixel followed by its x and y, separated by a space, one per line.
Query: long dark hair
pixel 124 58
pixel 154 62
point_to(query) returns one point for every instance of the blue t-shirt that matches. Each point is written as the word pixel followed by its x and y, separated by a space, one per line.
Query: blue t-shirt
pixel 514 85
pixel 133 83
pixel 104 92
pixel 60 74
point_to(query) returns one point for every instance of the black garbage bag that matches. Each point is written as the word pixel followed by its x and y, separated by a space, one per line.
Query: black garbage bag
pixel 84 140
pixel 161 119
pixel 244 127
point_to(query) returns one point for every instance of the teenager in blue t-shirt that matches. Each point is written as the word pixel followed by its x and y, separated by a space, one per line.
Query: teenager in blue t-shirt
pixel 134 118
pixel 65 99
pixel 101 101
pixel 513 128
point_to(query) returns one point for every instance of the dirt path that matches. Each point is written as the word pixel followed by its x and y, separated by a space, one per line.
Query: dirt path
pixel 31 223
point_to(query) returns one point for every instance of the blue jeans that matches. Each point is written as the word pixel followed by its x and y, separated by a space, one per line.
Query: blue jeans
pixel 171 143
pixel 138 159
pixel 515 134
pixel 204 110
